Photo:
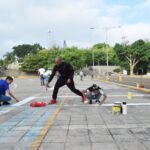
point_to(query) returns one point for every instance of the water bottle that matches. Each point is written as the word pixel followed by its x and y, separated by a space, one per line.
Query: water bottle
pixel 124 108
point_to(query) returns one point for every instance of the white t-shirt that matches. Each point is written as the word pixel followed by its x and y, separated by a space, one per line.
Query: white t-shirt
pixel 41 71
pixel 48 73
pixel 81 73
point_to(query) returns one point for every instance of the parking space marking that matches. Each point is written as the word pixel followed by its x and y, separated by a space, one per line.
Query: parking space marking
pixel 26 100
pixel 37 142
pixel 106 105
pixel 74 96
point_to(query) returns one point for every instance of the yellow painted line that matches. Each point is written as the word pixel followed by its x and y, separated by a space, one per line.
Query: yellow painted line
pixel 128 86
pixel 26 77
pixel 23 77
pixel 37 142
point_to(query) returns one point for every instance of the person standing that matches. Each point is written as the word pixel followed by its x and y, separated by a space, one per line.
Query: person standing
pixel 81 75
pixel 4 88
pixel 47 75
pixel 41 72
pixel 66 73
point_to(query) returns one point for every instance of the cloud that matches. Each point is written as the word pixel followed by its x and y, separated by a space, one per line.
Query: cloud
pixel 70 20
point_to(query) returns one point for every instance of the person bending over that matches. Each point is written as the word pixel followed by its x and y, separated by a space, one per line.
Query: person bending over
pixel 66 73
pixel 4 88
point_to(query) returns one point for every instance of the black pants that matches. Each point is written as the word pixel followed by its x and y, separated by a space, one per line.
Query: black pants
pixel 61 82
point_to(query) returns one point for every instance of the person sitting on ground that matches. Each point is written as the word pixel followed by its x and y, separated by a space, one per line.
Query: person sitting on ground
pixel 4 87
pixel 95 92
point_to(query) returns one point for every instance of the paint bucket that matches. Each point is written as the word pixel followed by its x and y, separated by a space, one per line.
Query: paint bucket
pixel 117 108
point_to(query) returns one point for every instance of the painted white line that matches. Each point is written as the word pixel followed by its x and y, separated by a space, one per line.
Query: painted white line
pixel 23 102
pixel 12 107
pixel 4 112
pixel 130 104
pixel 73 96
pixel 105 105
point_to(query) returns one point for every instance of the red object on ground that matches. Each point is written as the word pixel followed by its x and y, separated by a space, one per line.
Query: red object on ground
pixel 38 104
pixel 83 98
pixel 53 101
pixel 141 86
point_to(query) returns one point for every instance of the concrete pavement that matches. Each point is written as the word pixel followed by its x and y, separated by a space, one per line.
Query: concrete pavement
pixel 133 81
pixel 72 125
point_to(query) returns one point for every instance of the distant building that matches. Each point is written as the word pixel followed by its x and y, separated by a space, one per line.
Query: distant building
pixel 64 44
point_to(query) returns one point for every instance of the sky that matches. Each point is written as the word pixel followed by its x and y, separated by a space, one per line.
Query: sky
pixel 50 22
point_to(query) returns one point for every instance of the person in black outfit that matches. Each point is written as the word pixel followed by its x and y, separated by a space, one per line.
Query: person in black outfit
pixel 66 73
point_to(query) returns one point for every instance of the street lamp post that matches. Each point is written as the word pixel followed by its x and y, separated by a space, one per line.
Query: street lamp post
pixel 106 42
pixel 49 39
pixel 93 56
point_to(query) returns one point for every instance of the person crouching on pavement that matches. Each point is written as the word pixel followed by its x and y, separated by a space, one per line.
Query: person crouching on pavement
pixel 95 92
pixel 4 87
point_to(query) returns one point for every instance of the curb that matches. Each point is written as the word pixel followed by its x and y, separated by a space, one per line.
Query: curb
pixel 129 86
pixel 26 77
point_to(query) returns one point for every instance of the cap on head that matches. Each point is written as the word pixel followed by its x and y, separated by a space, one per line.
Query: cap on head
pixel 94 85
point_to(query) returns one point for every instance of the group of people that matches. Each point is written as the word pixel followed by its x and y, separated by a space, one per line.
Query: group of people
pixel 66 73
pixel 44 75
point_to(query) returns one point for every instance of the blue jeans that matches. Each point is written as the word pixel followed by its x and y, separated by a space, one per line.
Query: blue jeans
pixel 4 98
pixel 42 79
pixel 90 97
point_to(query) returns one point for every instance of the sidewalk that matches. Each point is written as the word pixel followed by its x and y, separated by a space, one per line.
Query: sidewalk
pixel 75 126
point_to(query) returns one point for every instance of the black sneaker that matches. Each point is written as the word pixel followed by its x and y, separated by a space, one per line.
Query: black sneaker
pixel 6 103
pixel 97 101
pixel 90 102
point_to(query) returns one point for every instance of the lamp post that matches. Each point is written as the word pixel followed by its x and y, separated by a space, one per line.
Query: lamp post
pixel 93 56
pixel 106 42
pixel 49 39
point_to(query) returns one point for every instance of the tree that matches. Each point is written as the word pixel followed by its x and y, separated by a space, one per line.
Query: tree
pixel 100 54
pixel 9 58
pixel 43 59
pixel 1 62
pixel 22 50
pixel 75 57
pixel 132 54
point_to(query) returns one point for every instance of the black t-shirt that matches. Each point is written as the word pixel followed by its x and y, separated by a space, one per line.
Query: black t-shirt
pixel 65 70
pixel 92 88
pixel 95 90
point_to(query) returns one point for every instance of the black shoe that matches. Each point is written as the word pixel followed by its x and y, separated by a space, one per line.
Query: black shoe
pixel 0 103
pixel 6 103
pixel 90 102
pixel 98 101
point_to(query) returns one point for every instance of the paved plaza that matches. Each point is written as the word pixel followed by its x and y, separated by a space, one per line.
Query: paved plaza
pixel 71 125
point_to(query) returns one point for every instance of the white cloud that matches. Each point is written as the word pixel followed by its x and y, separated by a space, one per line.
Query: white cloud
pixel 29 22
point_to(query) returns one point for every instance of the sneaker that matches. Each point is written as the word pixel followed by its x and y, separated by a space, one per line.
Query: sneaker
pixel 83 98
pixel 6 103
pixel 97 101
pixel 53 101
pixel 90 102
